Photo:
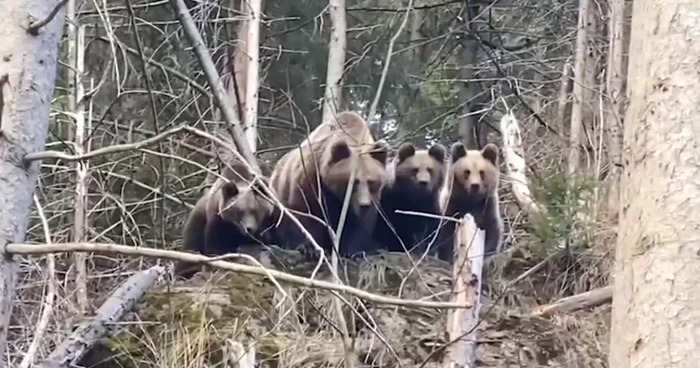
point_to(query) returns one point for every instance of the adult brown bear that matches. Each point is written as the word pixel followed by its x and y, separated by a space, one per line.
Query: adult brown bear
pixel 313 178
pixel 472 188
pixel 233 212
pixel 418 176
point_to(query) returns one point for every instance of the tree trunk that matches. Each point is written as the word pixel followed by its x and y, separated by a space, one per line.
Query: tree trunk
pixel 579 87
pixel 469 57
pixel 615 92
pixel 656 306
pixel 27 78
pixel 332 97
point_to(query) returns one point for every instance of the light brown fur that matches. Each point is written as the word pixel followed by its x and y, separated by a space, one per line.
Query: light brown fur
pixel 320 169
pixel 473 188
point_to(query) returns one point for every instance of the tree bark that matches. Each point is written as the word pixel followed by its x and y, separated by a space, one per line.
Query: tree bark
pixel 656 306
pixel 579 87
pixel 332 97
pixel 27 78
pixel 615 92
pixel 252 82
pixel 469 56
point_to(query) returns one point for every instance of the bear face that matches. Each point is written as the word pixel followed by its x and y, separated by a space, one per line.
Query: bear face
pixel 370 174
pixel 244 206
pixel 475 173
pixel 422 170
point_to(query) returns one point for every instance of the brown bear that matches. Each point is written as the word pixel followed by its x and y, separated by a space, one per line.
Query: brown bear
pixel 418 177
pixel 232 213
pixel 472 188
pixel 312 180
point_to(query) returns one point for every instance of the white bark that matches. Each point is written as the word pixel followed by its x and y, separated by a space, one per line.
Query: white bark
pixel 221 97
pixel 332 96
pixel 515 165
pixel 563 100
pixel 467 270
pixel 656 304
pixel 89 332
pixel 27 77
pixel 615 91
pixel 81 170
pixel 253 72
pixel 579 87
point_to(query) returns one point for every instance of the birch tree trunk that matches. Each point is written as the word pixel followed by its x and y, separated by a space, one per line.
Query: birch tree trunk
pixel 252 82
pixel 615 92
pixel 332 97
pixel 27 78
pixel 656 306
pixel 578 88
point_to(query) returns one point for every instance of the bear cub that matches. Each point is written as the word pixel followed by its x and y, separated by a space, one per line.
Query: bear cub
pixel 418 177
pixel 473 189
pixel 230 214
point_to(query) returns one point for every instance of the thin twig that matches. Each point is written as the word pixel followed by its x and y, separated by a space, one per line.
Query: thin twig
pixel 30 355
pixel 28 249
pixel 34 27
pixel 387 62
pixel 221 98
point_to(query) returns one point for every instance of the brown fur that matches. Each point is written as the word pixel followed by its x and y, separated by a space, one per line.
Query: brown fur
pixel 318 172
pixel 230 214
pixel 473 189
pixel 418 177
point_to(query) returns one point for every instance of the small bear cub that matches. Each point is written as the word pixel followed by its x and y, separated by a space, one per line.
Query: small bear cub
pixel 473 189
pixel 415 184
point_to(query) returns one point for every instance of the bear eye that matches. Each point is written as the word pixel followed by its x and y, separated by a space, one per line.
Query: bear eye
pixel 481 172
pixel 414 171
pixel 467 172
pixel 430 170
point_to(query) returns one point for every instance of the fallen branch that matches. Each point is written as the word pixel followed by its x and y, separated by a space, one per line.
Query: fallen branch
pixel 576 302
pixel 235 267
pixel 461 323
pixel 90 331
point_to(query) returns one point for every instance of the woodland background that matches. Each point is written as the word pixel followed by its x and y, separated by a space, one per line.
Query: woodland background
pixel 456 68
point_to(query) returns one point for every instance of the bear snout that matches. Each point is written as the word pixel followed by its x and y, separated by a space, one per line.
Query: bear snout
pixel 475 187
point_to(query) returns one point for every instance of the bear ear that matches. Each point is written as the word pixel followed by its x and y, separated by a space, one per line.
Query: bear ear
pixel 438 152
pixel 406 150
pixel 229 190
pixel 380 152
pixel 490 152
pixel 340 150
pixel 458 151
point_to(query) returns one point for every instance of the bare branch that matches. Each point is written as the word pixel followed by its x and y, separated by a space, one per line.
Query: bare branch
pixel 102 151
pixel 219 92
pixel 34 27
pixel 27 249
pixel 387 62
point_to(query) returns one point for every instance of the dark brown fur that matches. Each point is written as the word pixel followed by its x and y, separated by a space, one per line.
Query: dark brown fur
pixel 313 178
pixel 230 214
pixel 418 177
pixel 473 189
